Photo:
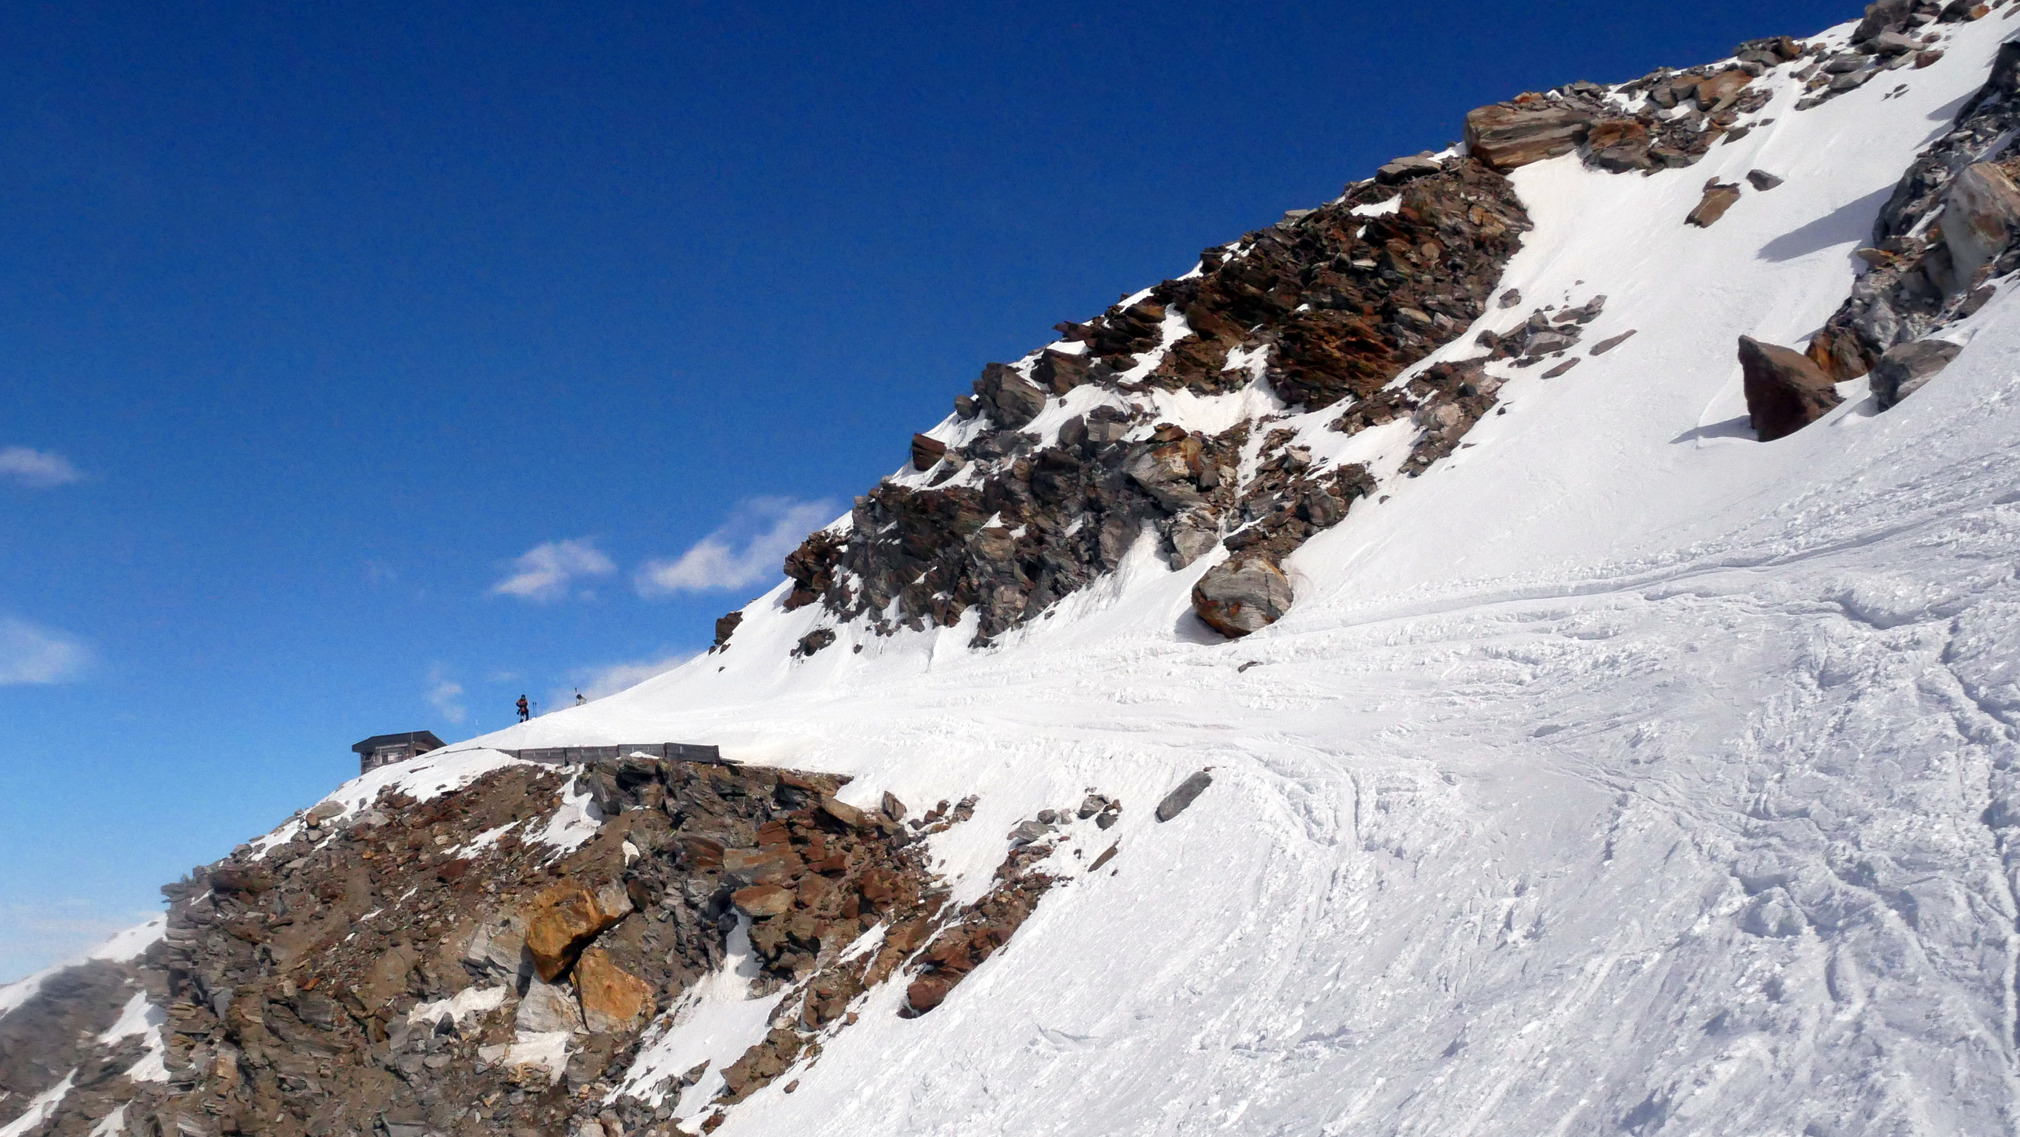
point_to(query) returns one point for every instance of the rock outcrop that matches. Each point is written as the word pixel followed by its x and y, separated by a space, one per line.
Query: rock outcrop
pixel 1325 309
pixel 1785 391
pixel 444 966
pixel 1950 226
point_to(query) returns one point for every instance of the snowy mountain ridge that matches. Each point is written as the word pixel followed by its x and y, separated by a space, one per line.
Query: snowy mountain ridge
pixel 1616 772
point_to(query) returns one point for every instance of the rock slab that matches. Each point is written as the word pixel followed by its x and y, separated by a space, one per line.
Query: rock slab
pixel 1188 791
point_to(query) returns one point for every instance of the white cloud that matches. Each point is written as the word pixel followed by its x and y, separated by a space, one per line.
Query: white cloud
pixel 31 654
pixel 542 573
pixel 37 469
pixel 750 547
pixel 609 679
pixel 445 694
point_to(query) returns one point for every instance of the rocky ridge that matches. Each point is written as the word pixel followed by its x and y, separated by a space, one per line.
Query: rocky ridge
pixel 498 958
pixel 1053 467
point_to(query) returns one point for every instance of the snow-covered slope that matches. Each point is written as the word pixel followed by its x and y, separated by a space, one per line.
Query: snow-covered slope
pixel 1619 774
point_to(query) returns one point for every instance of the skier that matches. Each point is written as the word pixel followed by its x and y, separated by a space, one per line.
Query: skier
pixel 524 713
pixel 579 700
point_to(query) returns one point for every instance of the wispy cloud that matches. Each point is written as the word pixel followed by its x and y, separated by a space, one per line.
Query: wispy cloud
pixel 748 548
pixel 37 469
pixel 610 678
pixel 446 695
pixel 32 654
pixel 544 572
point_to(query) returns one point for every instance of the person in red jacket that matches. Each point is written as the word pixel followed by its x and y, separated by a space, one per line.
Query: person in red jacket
pixel 524 713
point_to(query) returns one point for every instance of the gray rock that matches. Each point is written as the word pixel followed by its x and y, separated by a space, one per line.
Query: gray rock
pixel 1907 367
pixel 1188 791
pixel 1403 169
pixel 1981 216
pixel 1028 831
pixel 1191 540
pixel 1242 595
pixel 1762 180
pixel 1091 805
pixel 546 1007
pixel 1892 43
pixel 326 811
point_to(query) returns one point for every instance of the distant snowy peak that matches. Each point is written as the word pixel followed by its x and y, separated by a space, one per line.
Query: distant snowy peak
pixel 1232 413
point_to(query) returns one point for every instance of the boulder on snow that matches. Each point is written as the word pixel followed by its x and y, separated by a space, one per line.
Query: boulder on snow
pixel 1762 180
pixel 1981 216
pixel 1785 391
pixel 1906 367
pixel 1718 197
pixel 1242 595
pixel 1508 135
pixel 1188 791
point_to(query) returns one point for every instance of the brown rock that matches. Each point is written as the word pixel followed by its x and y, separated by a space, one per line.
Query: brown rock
pixel 1560 369
pixel 1608 344
pixel 763 865
pixel 559 923
pixel 1242 595
pixel 612 998
pixel 1927 59
pixel 847 814
pixel 1838 354
pixel 762 900
pixel 1785 391
pixel 926 452
pixel 1718 197
pixel 1506 136
pixel 1713 89
pixel 1619 144
pixel 929 991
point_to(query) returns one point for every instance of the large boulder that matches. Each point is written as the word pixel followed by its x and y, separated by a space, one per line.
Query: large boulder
pixel 1242 595
pixel 1981 216
pixel 612 998
pixel 564 918
pixel 1785 391
pixel 1906 367
pixel 1508 135
pixel 1010 400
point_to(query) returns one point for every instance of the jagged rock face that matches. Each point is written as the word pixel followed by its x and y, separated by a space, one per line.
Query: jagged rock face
pixel 1951 224
pixel 1338 302
pixel 55 1033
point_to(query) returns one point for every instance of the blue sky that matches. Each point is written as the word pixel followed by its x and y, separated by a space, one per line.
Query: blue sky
pixel 363 366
